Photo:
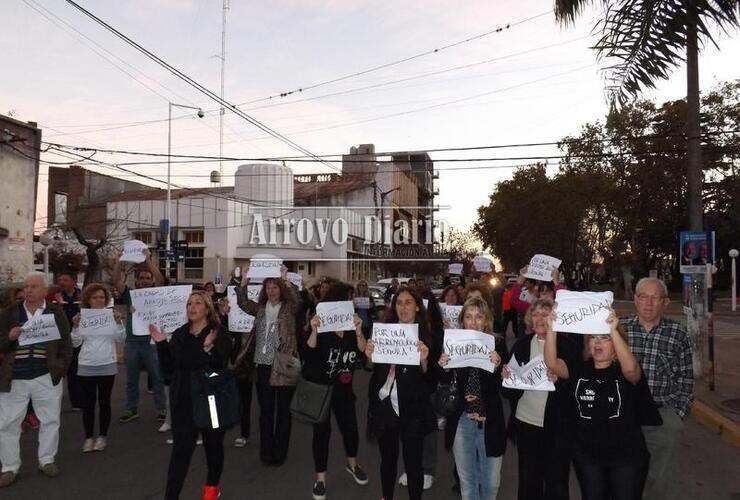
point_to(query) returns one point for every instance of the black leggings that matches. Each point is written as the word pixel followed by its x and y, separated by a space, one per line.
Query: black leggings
pixel 184 438
pixel 275 421
pixel 245 399
pixel 413 449
pixel 343 406
pixel 544 470
pixel 615 482
pixel 96 389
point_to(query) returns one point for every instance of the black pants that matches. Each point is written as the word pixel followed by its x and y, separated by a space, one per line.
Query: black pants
pixel 610 482
pixel 275 418
pixel 413 448
pixel 184 437
pixel 544 469
pixel 96 390
pixel 343 407
pixel 245 400
pixel 76 395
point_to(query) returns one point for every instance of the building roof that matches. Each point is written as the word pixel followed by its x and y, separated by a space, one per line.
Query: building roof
pixel 319 190
pixel 161 194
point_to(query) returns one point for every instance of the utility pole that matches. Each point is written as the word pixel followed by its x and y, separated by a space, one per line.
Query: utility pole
pixel 224 8
pixel 694 173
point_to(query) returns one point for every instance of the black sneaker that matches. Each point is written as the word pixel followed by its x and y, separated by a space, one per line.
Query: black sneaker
pixel 319 490
pixel 357 474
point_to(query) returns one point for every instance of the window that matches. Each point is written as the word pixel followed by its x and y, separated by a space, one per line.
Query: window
pixel 194 236
pixel 145 237
pixel 194 263
pixel 60 208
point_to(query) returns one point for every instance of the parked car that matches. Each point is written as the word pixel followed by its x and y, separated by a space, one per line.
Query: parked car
pixel 378 295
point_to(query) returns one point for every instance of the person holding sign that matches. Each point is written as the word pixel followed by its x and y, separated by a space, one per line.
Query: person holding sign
pixel 610 394
pixel 274 351
pixel 197 346
pixel 330 359
pixel 543 422
pixel 399 406
pixel 476 432
pixel 36 352
pixel 96 331
pixel 527 290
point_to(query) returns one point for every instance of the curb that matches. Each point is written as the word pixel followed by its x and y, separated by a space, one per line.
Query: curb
pixel 714 421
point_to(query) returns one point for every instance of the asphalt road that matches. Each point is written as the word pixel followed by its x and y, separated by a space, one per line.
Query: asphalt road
pixel 135 463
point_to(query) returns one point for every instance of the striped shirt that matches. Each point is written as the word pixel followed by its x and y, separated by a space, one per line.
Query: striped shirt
pixel 665 355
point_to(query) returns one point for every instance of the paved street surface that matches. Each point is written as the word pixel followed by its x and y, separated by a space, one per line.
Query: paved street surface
pixel 134 466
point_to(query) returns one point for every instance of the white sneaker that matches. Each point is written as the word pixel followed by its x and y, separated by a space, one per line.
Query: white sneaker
pixel 170 441
pixel 240 442
pixel 165 427
pixel 199 441
pixel 87 446
pixel 428 481
pixel 403 480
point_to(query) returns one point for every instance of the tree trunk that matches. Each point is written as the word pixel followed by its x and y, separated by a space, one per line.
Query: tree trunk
pixel 694 173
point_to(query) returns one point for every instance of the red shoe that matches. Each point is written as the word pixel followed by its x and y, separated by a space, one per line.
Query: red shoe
pixel 32 421
pixel 211 492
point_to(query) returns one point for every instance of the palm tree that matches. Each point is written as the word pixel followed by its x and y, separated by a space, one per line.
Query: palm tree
pixel 648 38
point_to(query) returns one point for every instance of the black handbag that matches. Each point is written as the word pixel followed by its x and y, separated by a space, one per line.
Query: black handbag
pixel 215 399
pixel 311 401
pixel 446 401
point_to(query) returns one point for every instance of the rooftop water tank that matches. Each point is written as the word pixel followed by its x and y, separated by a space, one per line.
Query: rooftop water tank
pixel 264 184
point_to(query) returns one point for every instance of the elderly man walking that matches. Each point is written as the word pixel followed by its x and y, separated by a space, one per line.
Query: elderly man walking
pixel 662 347
pixel 32 371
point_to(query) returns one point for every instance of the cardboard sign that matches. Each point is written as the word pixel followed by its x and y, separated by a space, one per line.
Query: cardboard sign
pixel 451 314
pixel 39 329
pixel 239 320
pixel 264 266
pixel 529 377
pixel 540 267
pixel 362 302
pixel 336 316
pixel 296 279
pixel 253 292
pixel 396 343
pixel 455 268
pixel 133 251
pixel 466 348
pixel 482 264
pixel 163 306
pixel 97 323
pixel 583 312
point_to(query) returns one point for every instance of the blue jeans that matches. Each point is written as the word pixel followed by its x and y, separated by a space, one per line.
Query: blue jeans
pixel 480 475
pixel 137 355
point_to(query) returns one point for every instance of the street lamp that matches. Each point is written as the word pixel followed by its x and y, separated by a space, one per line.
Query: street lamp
pixel 733 255
pixel 168 243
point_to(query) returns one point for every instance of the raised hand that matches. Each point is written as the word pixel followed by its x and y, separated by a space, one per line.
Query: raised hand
pixel 76 320
pixel 423 351
pixel 210 338
pixel 157 334
pixel 369 348
pixel 357 322
pixel 443 359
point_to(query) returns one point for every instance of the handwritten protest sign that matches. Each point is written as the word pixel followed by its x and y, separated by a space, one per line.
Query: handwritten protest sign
pixel 469 348
pixel 97 322
pixel 239 320
pixel 455 268
pixel 133 251
pixel 39 329
pixel 264 266
pixel 296 279
pixel 163 306
pixel 362 302
pixel 482 264
pixel 336 316
pixel 583 312
pixel 253 292
pixel 451 315
pixel 530 377
pixel 540 267
pixel 396 343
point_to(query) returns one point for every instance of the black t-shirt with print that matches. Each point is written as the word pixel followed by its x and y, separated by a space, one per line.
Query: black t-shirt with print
pixel 333 358
pixel 608 426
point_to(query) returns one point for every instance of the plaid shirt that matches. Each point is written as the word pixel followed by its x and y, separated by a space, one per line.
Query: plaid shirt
pixel 666 358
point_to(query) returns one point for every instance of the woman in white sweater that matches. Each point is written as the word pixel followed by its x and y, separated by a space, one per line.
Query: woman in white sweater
pixel 97 330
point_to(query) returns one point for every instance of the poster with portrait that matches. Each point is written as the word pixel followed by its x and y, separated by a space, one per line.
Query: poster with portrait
pixel 695 251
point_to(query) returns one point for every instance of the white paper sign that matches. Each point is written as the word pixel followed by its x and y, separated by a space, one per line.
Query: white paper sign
pixel 39 329
pixel 469 348
pixel 97 323
pixel 426 303
pixel 529 377
pixel 253 292
pixel 336 316
pixel 264 266
pixel 296 279
pixel 541 266
pixel 396 343
pixel 455 268
pixel 451 314
pixel 362 302
pixel 133 251
pixel 482 264
pixel 583 312
pixel 163 306
pixel 239 320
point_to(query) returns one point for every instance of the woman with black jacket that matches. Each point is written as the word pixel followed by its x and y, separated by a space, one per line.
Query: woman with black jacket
pixel 199 345
pixel 399 406
pixel 477 431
